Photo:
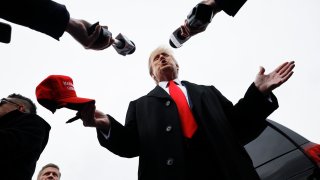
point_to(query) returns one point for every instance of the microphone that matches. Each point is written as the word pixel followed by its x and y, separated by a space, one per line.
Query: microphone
pixel 122 44
pixel 5 33
pixel 197 21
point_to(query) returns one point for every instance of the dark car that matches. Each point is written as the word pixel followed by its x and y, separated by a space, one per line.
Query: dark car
pixel 279 153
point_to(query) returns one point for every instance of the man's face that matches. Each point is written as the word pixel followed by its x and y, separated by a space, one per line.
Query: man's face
pixel 163 66
pixel 7 105
pixel 50 173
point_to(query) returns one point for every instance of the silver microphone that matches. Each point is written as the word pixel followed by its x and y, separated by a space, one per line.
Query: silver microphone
pixel 197 20
pixel 121 44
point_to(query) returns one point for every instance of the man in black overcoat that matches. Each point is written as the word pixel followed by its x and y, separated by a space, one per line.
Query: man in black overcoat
pixel 152 128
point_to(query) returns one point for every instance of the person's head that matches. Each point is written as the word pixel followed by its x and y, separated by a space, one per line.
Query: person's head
pixel 17 102
pixel 49 171
pixel 162 65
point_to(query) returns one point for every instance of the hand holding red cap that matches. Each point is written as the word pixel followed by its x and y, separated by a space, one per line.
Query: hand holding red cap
pixel 57 91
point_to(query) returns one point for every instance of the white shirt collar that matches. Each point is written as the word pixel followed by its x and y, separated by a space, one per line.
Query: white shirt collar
pixel 164 84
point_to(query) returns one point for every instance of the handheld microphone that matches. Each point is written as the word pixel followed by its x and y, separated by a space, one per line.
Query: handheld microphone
pixel 121 44
pixel 197 21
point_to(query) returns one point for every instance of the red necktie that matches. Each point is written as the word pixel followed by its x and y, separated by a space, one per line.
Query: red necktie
pixel 189 125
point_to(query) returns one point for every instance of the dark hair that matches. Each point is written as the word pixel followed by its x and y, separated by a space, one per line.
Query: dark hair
pixel 28 102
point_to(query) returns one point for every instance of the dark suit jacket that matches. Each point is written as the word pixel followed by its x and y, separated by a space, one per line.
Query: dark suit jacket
pixel 152 132
pixel 45 16
pixel 23 137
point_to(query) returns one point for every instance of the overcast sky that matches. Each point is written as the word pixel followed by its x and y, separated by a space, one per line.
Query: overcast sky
pixel 227 55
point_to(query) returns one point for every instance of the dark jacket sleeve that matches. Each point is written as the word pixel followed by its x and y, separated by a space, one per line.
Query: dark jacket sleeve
pixel 231 7
pixel 123 140
pixel 247 117
pixel 28 133
pixel 23 138
pixel 45 16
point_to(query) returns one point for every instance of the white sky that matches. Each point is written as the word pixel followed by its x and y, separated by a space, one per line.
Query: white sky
pixel 226 55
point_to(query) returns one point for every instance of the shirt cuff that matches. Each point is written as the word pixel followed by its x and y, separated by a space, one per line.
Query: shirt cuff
pixel 105 133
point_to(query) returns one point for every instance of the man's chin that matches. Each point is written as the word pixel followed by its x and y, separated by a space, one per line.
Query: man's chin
pixel 167 69
pixel 168 73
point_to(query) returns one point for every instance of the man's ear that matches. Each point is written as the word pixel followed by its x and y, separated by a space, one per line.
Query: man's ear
pixel 154 78
pixel 22 109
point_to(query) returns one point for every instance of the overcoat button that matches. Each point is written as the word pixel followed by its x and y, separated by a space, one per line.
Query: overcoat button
pixel 168 128
pixel 170 162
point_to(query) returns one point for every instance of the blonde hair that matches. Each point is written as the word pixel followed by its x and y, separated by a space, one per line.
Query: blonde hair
pixel 158 50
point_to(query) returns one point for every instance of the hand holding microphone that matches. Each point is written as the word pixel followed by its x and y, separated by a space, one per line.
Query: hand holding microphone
pixel 197 21
pixel 121 43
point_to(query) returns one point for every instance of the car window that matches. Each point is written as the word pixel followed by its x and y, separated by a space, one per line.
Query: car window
pixel 269 145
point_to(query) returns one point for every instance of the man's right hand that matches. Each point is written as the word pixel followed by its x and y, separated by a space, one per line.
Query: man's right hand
pixel 94 118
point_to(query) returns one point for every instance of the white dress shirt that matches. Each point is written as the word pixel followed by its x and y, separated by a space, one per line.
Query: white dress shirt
pixel 164 85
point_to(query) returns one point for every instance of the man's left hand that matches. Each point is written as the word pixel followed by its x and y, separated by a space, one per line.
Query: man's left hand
pixel 268 82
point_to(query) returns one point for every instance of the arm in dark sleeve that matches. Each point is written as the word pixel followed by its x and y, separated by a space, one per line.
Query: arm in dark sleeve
pixel 45 16
pixel 122 140
pixel 28 134
pixel 256 105
pixel 231 7
pixel 247 117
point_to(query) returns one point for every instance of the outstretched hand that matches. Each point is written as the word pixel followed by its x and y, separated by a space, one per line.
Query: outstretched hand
pixel 78 29
pixel 94 118
pixel 268 82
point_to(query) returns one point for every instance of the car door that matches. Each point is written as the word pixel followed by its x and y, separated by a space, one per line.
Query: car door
pixel 277 154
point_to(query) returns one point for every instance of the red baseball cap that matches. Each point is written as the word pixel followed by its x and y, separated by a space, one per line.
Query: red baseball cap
pixel 57 91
